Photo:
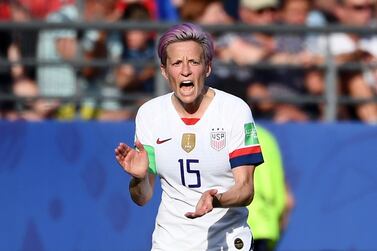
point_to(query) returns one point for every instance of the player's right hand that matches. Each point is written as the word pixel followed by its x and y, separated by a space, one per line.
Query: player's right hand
pixel 134 162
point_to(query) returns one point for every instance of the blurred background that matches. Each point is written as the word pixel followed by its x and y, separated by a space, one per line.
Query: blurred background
pixel 74 72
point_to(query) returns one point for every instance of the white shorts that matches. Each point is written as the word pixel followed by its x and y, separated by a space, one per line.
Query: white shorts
pixel 240 239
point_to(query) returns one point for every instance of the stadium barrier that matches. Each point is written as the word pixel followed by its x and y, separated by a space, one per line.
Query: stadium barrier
pixel 63 190
pixel 329 99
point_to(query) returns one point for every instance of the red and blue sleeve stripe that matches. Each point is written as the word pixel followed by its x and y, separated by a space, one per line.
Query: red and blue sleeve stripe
pixel 246 156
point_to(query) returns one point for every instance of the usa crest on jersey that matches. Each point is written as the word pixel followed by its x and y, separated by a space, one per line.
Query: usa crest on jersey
pixel 188 142
pixel 218 139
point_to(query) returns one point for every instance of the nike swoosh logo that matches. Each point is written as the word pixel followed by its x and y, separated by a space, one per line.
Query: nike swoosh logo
pixel 158 141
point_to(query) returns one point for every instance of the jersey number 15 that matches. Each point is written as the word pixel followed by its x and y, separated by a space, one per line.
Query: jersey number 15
pixel 186 169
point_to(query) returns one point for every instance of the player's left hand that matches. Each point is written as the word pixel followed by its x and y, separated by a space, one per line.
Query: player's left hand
pixel 204 205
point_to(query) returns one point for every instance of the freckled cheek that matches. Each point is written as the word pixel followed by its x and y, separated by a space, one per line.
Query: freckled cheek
pixel 173 81
pixel 175 78
pixel 172 75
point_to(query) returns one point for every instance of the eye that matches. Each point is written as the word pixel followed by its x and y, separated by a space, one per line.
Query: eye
pixel 194 62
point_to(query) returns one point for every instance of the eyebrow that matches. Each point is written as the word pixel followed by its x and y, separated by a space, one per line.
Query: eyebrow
pixel 189 59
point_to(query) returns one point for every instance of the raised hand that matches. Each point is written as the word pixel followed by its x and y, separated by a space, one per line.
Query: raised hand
pixel 204 206
pixel 134 162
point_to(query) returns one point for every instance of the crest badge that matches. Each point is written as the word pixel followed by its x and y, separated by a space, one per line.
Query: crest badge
pixel 238 243
pixel 188 142
pixel 218 139
pixel 251 137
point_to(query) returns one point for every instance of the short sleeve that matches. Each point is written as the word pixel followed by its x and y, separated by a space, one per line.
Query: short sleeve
pixel 244 144
pixel 143 134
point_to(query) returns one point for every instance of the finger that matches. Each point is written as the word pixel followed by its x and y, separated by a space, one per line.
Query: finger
pixel 213 192
pixel 120 148
pixel 198 212
pixel 190 215
pixel 121 162
pixel 193 215
pixel 124 149
pixel 119 159
pixel 139 145
pixel 129 156
pixel 118 152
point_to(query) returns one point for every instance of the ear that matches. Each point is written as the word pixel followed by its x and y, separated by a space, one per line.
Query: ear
pixel 163 71
pixel 209 69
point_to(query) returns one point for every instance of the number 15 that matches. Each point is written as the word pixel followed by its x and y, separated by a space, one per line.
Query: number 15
pixel 186 170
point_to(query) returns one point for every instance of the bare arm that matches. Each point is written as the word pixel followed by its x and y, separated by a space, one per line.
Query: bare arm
pixel 141 190
pixel 135 163
pixel 245 53
pixel 239 195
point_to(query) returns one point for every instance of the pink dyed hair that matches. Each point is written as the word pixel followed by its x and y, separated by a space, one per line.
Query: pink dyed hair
pixel 186 32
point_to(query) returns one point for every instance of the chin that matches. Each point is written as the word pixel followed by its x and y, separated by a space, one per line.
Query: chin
pixel 187 99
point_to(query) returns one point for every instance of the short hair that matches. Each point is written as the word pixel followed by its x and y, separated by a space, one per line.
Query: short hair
pixel 186 32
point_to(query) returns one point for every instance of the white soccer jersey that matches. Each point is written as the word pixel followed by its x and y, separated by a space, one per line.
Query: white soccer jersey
pixel 191 159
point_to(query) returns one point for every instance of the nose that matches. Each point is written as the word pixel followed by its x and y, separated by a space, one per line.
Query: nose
pixel 186 69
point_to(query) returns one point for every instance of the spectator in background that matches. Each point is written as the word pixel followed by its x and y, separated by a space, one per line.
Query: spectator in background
pixel 273 201
pixel 15 46
pixel 356 48
pixel 98 45
pixel 205 12
pixel 250 48
pixel 59 80
pixel 254 47
pixel 138 47
pixel 151 5
pixel 28 106
pixel 135 76
pixel 294 49
pixel 24 43
pixel 324 12
pixel 277 49
pixel 113 82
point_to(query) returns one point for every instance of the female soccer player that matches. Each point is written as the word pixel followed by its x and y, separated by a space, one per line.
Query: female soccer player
pixel 202 144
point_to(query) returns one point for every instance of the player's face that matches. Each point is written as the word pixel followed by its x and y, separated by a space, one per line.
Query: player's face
pixel 186 70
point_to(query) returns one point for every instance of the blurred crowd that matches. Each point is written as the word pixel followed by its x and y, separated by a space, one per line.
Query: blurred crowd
pixel 65 91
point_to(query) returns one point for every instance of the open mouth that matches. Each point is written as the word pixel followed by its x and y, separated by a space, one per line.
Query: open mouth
pixel 186 84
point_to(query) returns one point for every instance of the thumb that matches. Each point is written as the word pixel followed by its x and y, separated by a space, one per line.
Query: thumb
pixel 139 146
pixel 213 192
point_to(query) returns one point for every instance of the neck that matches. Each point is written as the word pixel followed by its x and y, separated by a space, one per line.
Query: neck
pixel 195 109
